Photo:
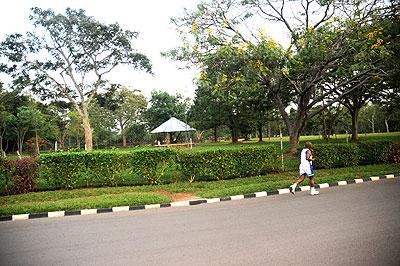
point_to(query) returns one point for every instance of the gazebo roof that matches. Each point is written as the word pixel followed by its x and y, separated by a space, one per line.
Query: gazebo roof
pixel 173 125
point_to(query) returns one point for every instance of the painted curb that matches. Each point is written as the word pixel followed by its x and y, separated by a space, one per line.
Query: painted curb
pixel 55 214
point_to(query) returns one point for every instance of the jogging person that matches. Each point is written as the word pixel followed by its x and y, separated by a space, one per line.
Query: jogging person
pixel 306 169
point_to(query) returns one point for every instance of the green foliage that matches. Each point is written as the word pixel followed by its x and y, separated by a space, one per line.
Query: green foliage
pixel 164 106
pixel 163 166
pixel 102 168
pixel 3 179
pixel 351 154
pixel 395 154
pixel 375 152
pixel 151 166
pixel 335 155
pixel 129 196
pixel 223 164
pixel 19 175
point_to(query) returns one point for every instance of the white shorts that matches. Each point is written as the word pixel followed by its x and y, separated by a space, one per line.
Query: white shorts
pixel 307 170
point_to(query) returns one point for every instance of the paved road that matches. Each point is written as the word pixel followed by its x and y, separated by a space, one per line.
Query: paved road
pixel 351 225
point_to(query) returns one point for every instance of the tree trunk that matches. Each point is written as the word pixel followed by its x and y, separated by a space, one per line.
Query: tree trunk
pixel 215 134
pixel 37 143
pixel 234 128
pixel 301 119
pixel 20 144
pixel 269 130
pixel 294 141
pixel 295 130
pixel 123 133
pixel 123 137
pixel 1 144
pixel 387 125
pixel 260 137
pixel 61 141
pixel 88 133
pixel 373 122
pixel 234 134
pixel 354 124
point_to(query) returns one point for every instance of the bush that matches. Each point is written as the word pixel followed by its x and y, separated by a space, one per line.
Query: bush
pixel 351 154
pixel 102 168
pixel 161 166
pixel 223 164
pixel 394 156
pixel 3 178
pixel 335 155
pixel 20 175
pixel 375 152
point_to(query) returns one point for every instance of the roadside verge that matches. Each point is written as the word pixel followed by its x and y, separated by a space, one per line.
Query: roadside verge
pixel 54 214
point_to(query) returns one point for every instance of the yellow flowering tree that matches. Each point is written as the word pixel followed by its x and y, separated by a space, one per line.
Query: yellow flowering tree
pixel 327 51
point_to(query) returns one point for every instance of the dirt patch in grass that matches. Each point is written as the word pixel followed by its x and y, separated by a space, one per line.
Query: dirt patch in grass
pixel 177 196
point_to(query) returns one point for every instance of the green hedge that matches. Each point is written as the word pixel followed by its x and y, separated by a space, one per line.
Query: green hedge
pixel 160 166
pixel 3 177
pixel 153 166
pixel 351 154
pixel 223 164
pixel 102 168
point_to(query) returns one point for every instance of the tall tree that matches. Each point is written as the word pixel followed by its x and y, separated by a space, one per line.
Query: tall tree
pixel 127 107
pixel 163 106
pixel 6 119
pixel 10 102
pixel 207 111
pixel 322 35
pixel 68 56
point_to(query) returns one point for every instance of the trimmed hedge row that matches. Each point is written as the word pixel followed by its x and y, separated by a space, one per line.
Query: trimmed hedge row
pixel 224 164
pixel 351 154
pixel 155 166
pixel 160 166
pixel 101 168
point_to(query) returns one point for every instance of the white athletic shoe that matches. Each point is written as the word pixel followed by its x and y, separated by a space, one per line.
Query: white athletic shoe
pixel 314 192
pixel 292 188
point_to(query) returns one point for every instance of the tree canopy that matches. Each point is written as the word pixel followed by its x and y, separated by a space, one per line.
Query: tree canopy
pixel 69 56
pixel 335 47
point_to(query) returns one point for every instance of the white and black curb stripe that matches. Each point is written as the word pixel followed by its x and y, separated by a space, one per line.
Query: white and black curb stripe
pixel 54 214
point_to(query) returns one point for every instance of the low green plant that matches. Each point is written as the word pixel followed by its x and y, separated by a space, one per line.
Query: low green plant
pixel 223 164
pixel 375 152
pixel 335 155
pixel 101 168
pixel 351 154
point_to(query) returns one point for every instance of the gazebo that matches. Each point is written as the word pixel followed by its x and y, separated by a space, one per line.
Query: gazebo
pixel 171 126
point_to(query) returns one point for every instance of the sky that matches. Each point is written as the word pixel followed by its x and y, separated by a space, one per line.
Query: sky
pixel 151 18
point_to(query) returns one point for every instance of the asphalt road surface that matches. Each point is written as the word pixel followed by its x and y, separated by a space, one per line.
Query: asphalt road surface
pixel 357 224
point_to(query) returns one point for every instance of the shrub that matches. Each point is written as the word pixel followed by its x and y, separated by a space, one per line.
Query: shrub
pixel 394 156
pixel 350 154
pixel 223 164
pixel 3 177
pixel 102 168
pixel 20 175
pixel 335 155
pixel 375 152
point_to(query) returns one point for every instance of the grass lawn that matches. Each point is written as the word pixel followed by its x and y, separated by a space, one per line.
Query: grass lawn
pixel 123 196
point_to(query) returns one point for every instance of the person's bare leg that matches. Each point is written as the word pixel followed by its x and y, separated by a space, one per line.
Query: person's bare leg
pixel 312 181
pixel 301 179
pixel 298 182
